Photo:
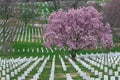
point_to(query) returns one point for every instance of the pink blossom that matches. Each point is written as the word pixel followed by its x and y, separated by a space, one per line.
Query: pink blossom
pixel 77 29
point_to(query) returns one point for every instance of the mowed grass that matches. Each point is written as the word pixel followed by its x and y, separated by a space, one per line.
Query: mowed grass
pixel 59 73
pixel 34 45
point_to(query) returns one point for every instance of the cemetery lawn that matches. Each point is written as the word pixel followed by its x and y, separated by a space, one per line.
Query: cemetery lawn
pixel 41 8
pixel 59 73
pixel 28 43
pixel 34 45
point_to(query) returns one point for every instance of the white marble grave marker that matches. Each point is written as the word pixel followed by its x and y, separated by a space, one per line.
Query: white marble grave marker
pixel 3 72
pixel 100 75
pixel 12 74
pixel 118 68
pixel 110 72
pixel 2 78
pixel 112 78
pixel 105 77
pixel 106 69
pixel 7 77
pixel 116 73
pixel 96 72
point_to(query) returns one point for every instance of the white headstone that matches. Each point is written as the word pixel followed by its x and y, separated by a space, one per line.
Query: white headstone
pixel 92 78
pixel 118 77
pixel 92 69
pixel 109 64
pixel 101 67
pixel 3 66
pixel 7 70
pixel 18 69
pixel 105 77
pixel 112 78
pixel 15 71
pixel 100 75
pixel 98 65
pixel 113 66
pixel 118 68
pixel 19 78
pixel 106 69
pixel 23 77
pixel 2 78
pixel 7 65
pixel 110 72
pixel 116 74
pixel 97 79
pixel 3 72
pixel 96 72
pixel 106 63
pixel 7 77
pixel 12 74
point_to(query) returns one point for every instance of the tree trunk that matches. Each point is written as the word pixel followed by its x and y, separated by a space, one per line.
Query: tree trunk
pixel 75 5
pixel 73 54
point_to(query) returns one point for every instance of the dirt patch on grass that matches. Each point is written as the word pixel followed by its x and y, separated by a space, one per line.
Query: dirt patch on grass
pixel 58 66
pixel 63 75
pixel 74 74
pixel 60 75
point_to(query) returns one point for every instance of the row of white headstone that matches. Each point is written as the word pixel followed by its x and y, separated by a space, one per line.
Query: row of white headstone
pixel 40 70
pixel 52 69
pixel 104 62
pixel 10 68
pixel 82 73
pixel 91 62
pixel 42 11
pixel 34 50
pixel 24 34
pixel 39 3
pixel 101 62
pixel 63 64
pixel 22 77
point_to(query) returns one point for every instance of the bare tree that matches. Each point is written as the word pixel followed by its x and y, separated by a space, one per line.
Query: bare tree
pixel 7 14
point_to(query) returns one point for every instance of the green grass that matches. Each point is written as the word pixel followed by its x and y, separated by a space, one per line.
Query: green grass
pixel 59 73
pixel 34 45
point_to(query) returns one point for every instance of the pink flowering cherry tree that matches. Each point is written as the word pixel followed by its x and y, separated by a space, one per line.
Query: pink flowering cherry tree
pixel 77 29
